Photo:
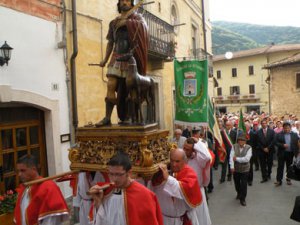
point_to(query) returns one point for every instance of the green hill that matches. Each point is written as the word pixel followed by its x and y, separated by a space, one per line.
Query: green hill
pixel 229 36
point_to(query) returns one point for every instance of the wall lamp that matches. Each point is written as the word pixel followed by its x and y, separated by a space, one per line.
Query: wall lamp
pixel 5 53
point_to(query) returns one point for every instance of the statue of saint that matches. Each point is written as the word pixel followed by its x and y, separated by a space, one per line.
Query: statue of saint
pixel 127 33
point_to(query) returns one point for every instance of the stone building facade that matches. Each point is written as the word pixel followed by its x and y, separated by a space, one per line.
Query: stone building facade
pixel 285 85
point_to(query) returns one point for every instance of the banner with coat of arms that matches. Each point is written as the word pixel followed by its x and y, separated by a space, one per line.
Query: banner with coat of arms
pixel 191 81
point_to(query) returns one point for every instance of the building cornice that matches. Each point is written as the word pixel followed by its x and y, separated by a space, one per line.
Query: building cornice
pixel 259 51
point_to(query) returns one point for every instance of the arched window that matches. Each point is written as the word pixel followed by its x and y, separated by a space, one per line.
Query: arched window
pixel 174 18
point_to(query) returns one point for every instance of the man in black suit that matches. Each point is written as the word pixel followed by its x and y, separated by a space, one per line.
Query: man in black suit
pixel 231 134
pixel 287 143
pixel 265 146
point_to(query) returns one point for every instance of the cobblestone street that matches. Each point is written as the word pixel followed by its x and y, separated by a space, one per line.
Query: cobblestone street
pixel 266 204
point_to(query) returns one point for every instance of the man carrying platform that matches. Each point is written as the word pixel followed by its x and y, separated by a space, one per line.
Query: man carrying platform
pixel 41 203
pixel 126 202
pixel 179 195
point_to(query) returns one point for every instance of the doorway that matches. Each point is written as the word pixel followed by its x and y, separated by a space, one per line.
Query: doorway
pixel 21 132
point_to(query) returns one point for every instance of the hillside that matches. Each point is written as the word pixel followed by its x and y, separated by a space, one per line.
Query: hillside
pixel 229 36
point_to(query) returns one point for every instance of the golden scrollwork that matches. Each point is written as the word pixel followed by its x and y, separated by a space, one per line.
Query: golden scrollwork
pixel 73 155
pixel 95 147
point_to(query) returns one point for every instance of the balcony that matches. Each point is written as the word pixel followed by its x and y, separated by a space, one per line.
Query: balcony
pixel 244 98
pixel 161 37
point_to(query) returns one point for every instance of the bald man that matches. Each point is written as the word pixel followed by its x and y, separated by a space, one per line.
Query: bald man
pixel 179 193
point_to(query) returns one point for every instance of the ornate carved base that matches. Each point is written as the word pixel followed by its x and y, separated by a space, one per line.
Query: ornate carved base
pixel 146 145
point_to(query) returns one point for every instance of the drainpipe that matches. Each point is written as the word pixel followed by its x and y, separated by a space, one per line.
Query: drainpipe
pixel 73 65
pixel 204 28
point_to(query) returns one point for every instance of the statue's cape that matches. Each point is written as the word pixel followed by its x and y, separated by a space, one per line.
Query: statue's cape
pixel 139 40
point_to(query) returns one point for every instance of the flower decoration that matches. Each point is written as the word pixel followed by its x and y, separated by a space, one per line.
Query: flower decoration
pixel 8 202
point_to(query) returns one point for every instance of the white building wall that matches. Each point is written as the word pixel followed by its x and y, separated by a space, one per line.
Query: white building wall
pixel 36 65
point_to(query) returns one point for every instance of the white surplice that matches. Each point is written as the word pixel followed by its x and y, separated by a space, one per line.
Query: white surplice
pixel 111 211
pixel 201 164
pixel 173 203
pixel 82 200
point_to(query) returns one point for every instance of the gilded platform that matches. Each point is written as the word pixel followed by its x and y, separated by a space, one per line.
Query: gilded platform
pixel 146 145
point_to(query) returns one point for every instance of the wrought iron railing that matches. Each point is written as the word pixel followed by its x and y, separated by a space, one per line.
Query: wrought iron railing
pixel 161 36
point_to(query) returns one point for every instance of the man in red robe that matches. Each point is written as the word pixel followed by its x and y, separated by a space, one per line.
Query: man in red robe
pixel 126 202
pixel 127 33
pixel 41 203
pixel 179 195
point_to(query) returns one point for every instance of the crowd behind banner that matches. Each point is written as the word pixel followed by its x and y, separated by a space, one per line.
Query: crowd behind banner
pixel 270 137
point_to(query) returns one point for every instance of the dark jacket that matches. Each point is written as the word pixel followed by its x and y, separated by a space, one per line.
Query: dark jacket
pixel 252 141
pixel 266 142
pixel 280 141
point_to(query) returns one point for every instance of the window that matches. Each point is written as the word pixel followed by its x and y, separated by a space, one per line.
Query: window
pixel 218 74
pixel 251 70
pixel 234 72
pixel 174 18
pixel 251 89
pixel 219 91
pixel 297 80
pixel 194 41
pixel 234 90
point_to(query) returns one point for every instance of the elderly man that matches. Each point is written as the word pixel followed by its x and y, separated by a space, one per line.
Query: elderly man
pixel 178 194
pixel 240 156
pixel 179 139
pixel 199 159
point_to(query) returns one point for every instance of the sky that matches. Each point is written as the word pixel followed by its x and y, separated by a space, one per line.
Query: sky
pixel 261 12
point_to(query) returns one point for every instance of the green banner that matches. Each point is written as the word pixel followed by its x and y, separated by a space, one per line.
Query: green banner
pixel 191 79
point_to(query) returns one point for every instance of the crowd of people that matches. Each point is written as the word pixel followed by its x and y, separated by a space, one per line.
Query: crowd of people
pixel 264 138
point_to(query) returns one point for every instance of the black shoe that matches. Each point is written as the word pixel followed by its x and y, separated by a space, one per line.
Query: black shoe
pixel 237 197
pixel 222 181
pixel 264 180
pixel 209 190
pixel 243 202
pixel 278 183
pixel 228 178
pixel 250 183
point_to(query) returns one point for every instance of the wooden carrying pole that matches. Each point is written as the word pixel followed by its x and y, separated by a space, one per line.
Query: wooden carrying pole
pixel 103 187
pixel 50 178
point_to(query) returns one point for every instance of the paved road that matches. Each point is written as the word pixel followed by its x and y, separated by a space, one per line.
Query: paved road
pixel 266 204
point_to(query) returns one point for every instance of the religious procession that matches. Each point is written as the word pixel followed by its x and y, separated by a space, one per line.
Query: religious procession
pixel 140 156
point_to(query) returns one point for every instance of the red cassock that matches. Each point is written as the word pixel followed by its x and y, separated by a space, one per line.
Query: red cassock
pixel 46 200
pixel 141 205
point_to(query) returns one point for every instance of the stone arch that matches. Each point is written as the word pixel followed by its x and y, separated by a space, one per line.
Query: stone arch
pixel 51 113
